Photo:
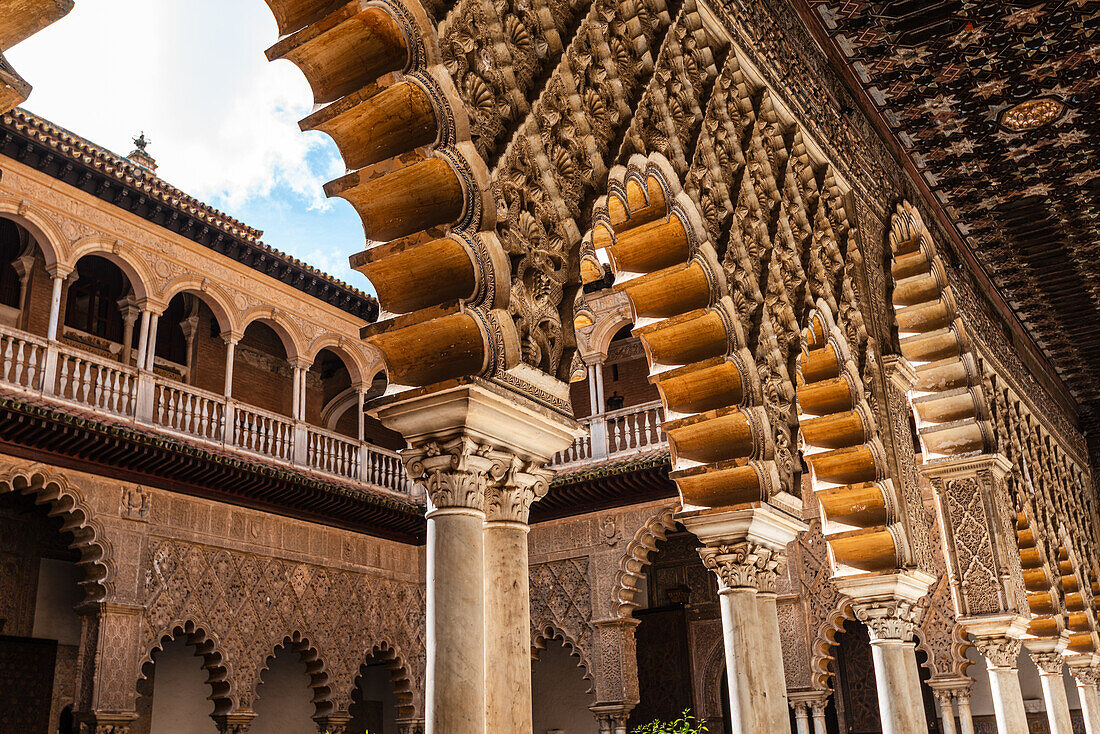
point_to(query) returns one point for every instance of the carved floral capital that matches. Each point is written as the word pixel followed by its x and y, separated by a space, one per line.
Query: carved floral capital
pixel 890 619
pixel 1001 652
pixel 522 485
pixel 1086 676
pixel 1049 663
pixel 744 565
pixel 456 473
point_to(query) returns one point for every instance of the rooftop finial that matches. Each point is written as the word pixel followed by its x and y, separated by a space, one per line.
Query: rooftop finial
pixel 140 155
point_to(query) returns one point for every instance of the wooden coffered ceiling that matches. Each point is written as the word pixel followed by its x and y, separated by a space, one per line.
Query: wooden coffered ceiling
pixel 941 74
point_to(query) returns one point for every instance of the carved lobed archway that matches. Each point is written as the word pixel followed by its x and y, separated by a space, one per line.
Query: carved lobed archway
pixel 64 501
pixel 206 647
pixel 631 573
pixel 963 407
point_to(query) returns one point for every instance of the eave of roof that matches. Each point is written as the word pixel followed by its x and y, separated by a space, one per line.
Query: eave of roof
pixel 59 153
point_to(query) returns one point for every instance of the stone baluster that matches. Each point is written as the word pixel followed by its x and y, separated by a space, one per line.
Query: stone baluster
pixel 745 550
pixel 1046 653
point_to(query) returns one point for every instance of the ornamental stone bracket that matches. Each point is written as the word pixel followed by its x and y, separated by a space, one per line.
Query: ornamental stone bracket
pixel 978 535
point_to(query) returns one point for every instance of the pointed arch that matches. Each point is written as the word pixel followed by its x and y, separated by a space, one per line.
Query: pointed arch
pixel 206 647
pixel 64 501
pixel 630 576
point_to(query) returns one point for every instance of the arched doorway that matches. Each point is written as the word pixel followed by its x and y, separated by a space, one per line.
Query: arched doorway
pixel 40 629
pixel 560 692
pixel 284 699
pixel 680 601
pixel 179 701
pixel 374 701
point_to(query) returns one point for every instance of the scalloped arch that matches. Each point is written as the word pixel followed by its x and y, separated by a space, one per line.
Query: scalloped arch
pixel 206 646
pixel 629 577
pixel 303 646
pixel 400 676
pixel 64 501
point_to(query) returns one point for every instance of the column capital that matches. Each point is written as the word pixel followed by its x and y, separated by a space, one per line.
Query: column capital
pixel 1048 663
pixel 234 723
pixel 1086 676
pixel 744 565
pixel 891 619
pixel 510 498
pixel 967 466
pixel 60 271
pixel 1000 652
pixel 413 726
pixel 232 337
pixel 456 473
pixel 335 723
pixel 106 722
pixel 900 371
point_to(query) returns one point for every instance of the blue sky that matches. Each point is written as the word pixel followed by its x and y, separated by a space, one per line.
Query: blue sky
pixel 222 119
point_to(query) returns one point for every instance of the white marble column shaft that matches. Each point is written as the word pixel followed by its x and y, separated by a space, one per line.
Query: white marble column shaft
pixel 771 674
pixel 901 706
pixel 1054 691
pixel 966 718
pixel 802 718
pixel 818 710
pixel 455 626
pixel 1090 699
pixel 947 711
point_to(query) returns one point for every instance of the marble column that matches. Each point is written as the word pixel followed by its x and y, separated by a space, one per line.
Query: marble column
pixel 1001 654
pixel 947 710
pixel 745 550
pixel 801 716
pixel 966 719
pixel 457 476
pixel 889 606
pixel 507 597
pixel 818 710
pixel 466 442
pixel 1087 677
pixel 1050 662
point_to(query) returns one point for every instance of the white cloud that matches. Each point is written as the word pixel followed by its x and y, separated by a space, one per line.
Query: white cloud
pixel 192 75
